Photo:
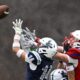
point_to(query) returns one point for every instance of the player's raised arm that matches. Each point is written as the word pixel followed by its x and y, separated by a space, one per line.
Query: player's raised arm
pixel 17 26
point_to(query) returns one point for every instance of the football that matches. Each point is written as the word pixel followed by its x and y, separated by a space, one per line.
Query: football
pixel 4 11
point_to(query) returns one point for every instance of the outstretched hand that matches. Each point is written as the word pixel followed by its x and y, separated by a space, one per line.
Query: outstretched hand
pixel 28 39
pixel 17 26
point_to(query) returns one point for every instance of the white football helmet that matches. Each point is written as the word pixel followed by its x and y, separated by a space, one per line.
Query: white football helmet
pixel 58 74
pixel 48 47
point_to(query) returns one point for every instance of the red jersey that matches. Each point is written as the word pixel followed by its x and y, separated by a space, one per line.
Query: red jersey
pixel 74 54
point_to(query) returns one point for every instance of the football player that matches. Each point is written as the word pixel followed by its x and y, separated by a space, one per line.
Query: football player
pixel 72 54
pixel 39 60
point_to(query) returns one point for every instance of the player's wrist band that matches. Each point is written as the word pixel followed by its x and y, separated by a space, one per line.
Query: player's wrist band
pixel 70 68
pixel 19 53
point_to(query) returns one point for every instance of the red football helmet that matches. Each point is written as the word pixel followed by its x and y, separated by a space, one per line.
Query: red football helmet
pixel 73 40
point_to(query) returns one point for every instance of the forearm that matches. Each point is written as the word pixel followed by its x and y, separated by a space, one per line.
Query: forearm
pixel 61 57
pixel 16 47
pixel 16 44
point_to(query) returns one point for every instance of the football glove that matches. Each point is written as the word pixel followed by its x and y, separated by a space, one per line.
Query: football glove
pixel 27 40
pixel 17 26
pixel 30 35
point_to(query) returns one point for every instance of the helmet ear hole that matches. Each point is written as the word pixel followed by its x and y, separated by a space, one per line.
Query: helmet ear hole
pixel 50 47
pixel 44 50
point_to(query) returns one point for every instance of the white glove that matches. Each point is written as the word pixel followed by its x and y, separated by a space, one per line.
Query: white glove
pixel 27 40
pixel 26 43
pixel 17 26
pixel 30 35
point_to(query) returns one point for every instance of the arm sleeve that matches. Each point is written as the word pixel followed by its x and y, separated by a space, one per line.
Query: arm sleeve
pixel 74 53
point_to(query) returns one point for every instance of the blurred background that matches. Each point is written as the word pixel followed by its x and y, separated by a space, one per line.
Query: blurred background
pixel 52 18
